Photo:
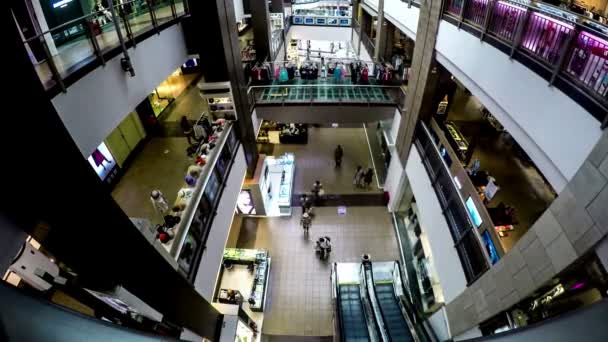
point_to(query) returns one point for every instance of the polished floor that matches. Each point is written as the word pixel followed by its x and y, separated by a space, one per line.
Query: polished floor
pixel 161 165
pixel 299 302
pixel 315 160
pixel 521 184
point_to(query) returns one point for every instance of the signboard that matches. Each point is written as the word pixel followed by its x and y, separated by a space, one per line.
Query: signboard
pixel 341 211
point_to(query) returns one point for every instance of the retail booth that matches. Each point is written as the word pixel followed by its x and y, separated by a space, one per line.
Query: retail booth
pixel 269 192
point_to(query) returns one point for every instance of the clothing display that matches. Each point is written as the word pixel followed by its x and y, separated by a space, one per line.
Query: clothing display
pixel 261 73
pixel 99 157
pixel 309 71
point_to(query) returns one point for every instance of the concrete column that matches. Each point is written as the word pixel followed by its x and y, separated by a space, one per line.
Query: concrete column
pixel 380 31
pixel 221 61
pixel 260 19
pixel 423 77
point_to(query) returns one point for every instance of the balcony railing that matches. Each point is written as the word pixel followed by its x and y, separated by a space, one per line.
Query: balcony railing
pixel 568 50
pixel 326 93
pixel 96 37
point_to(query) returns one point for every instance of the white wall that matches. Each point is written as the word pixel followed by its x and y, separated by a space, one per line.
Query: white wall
pixel 445 258
pixel 397 12
pixel 211 261
pixel 395 176
pixel 97 103
pixel 319 33
pixel 555 131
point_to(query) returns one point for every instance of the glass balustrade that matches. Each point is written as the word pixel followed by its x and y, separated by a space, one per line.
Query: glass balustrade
pixel 63 49
pixel 565 44
pixel 327 93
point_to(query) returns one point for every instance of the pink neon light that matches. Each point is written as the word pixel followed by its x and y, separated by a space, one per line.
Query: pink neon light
pixel 513 5
pixel 553 20
pixel 577 286
pixel 596 38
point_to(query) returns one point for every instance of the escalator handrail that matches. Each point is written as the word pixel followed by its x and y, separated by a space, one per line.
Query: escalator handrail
pixel 334 279
pixel 380 321
pixel 412 313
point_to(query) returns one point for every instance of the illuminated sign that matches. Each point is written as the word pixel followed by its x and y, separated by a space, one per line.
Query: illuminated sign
pixel 473 212
pixel 62 3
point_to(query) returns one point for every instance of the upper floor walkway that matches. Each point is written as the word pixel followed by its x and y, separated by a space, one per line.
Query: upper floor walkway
pixel 64 53
pixel 540 70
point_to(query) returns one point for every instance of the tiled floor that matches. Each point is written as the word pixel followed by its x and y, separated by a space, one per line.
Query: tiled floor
pixel 315 160
pixel 299 301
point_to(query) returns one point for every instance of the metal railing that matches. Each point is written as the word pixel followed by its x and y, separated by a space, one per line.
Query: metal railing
pixel 568 46
pixel 68 47
pixel 324 93
pixel 367 43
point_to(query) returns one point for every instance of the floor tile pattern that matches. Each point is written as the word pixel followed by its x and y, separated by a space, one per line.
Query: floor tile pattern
pixel 299 302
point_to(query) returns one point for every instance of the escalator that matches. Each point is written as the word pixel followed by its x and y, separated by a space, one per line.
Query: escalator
pixel 394 320
pixel 353 324
pixel 388 292
pixel 355 320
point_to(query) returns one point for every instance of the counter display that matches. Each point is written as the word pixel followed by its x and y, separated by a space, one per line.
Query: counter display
pixel 269 192
pixel 188 229
pixel 259 259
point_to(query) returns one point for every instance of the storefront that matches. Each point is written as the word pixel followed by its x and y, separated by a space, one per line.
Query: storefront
pixel 269 192
pixel 502 190
pixel 243 278
pixel 582 284
pixel 422 279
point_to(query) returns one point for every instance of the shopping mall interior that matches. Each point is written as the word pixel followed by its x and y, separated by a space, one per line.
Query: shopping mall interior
pixel 307 170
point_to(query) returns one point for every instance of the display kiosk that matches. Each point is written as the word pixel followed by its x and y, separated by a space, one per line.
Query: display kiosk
pixel 269 192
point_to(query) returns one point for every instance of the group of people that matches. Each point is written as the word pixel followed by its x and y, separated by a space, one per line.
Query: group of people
pixel 363 178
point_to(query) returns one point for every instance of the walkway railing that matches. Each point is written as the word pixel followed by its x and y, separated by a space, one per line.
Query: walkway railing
pixel 62 50
pixel 567 49
pixel 326 93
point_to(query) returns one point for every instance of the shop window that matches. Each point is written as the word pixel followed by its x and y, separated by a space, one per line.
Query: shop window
pixel 445 155
pixel 489 244
pixel 233 141
pixel 212 188
pixel 223 161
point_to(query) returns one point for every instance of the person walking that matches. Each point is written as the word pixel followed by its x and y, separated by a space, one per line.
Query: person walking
pixel 358 176
pixel 305 222
pixel 367 178
pixel 187 129
pixel 338 154
pixel 317 190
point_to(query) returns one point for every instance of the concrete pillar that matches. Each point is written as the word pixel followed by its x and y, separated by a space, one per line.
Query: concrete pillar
pixel 423 77
pixel 380 31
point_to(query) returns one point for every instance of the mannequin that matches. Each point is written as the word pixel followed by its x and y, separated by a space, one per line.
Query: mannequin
pixel 159 202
